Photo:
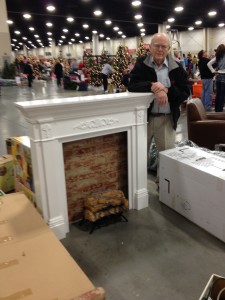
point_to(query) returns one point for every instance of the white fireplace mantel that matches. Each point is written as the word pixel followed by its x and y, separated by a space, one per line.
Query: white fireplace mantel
pixel 57 121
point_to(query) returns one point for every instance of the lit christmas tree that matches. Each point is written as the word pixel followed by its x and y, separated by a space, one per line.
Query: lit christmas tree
pixel 120 66
pixel 94 70
pixel 141 51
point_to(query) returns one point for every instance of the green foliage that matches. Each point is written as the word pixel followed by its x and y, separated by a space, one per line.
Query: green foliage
pixel 120 65
pixel 141 51
pixel 9 71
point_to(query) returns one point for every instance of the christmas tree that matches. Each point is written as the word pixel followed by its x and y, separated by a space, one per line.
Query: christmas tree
pixel 94 70
pixel 120 66
pixel 141 51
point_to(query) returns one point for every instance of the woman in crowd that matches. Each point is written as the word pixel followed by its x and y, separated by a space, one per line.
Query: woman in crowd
pixel 207 79
pixel 219 59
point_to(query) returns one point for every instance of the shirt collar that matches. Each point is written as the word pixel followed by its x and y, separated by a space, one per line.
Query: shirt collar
pixel 153 64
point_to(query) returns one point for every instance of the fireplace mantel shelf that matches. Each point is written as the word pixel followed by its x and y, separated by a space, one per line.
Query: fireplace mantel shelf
pixel 53 122
pixel 37 111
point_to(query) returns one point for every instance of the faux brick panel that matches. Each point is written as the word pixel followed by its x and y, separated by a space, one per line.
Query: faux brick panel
pixel 93 165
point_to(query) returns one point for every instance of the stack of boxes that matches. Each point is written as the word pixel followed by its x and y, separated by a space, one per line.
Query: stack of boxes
pixel 6 174
pixel 19 149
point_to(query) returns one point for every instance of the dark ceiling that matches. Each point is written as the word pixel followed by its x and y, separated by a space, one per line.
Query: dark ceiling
pixel 120 12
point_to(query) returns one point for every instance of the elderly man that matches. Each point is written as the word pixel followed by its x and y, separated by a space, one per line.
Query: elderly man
pixel 160 74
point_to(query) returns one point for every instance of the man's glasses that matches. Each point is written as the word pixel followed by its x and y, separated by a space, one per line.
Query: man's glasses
pixel 163 47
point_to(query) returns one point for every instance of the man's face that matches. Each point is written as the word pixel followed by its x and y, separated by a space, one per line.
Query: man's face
pixel 159 48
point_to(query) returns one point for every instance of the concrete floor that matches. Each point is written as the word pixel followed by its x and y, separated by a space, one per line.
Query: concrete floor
pixel 157 255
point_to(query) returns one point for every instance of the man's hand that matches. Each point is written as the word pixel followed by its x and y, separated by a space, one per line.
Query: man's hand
pixel 158 87
pixel 161 98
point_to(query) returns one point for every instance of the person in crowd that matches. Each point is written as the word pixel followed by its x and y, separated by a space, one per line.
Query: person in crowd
pixel 194 64
pixel 74 65
pixel 106 71
pixel 28 69
pixel 131 64
pixel 207 79
pixel 219 59
pixel 191 80
pixel 58 70
pixel 160 74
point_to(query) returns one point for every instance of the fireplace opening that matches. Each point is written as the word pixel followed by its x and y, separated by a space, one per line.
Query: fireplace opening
pixel 94 165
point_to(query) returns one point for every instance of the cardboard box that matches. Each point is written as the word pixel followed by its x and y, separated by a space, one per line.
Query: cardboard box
pixel 19 219
pixel 192 182
pixel 42 269
pixel 34 264
pixel 6 173
pixel 20 147
pixel 213 288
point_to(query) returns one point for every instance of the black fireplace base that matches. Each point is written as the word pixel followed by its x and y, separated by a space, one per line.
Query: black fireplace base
pixel 103 222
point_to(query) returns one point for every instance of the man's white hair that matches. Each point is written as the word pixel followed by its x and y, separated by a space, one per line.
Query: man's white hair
pixel 157 35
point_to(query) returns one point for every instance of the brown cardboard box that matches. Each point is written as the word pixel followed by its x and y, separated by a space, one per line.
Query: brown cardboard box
pixel 33 263
pixel 6 173
pixel 19 219
pixel 41 268
pixel 214 288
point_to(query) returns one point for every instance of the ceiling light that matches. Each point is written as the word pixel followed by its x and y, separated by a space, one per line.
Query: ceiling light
pixel 86 38
pixel 12 44
pixel 171 20
pixel 212 13
pixel 50 8
pixel 81 42
pixel 20 43
pixel 136 3
pixel 39 41
pixel 178 8
pixel 59 44
pixel 69 43
pixel 120 32
pixel 50 39
pixel 85 26
pixel 97 13
pixel 138 17
pixel 101 35
pixel 73 40
pixel 60 41
pixel 17 32
pixel 123 36
pixel 142 29
pixel 31 28
pixel 63 36
pixel 108 38
pixel 116 28
pixel 108 22
pixel 49 24
pixel 168 26
pixel 70 19
pixel 29 42
pixel 14 40
pixel 24 38
pixel 140 24
pixel 27 16
pixel 49 33
pixel 9 21
pixel 199 22
pixel 77 34
pixel 65 30
pixel 191 28
pixel 221 24
pixel 36 35
pixel 142 34
pixel 94 31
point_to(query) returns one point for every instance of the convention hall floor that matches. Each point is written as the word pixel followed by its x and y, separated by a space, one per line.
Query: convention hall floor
pixel 157 255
